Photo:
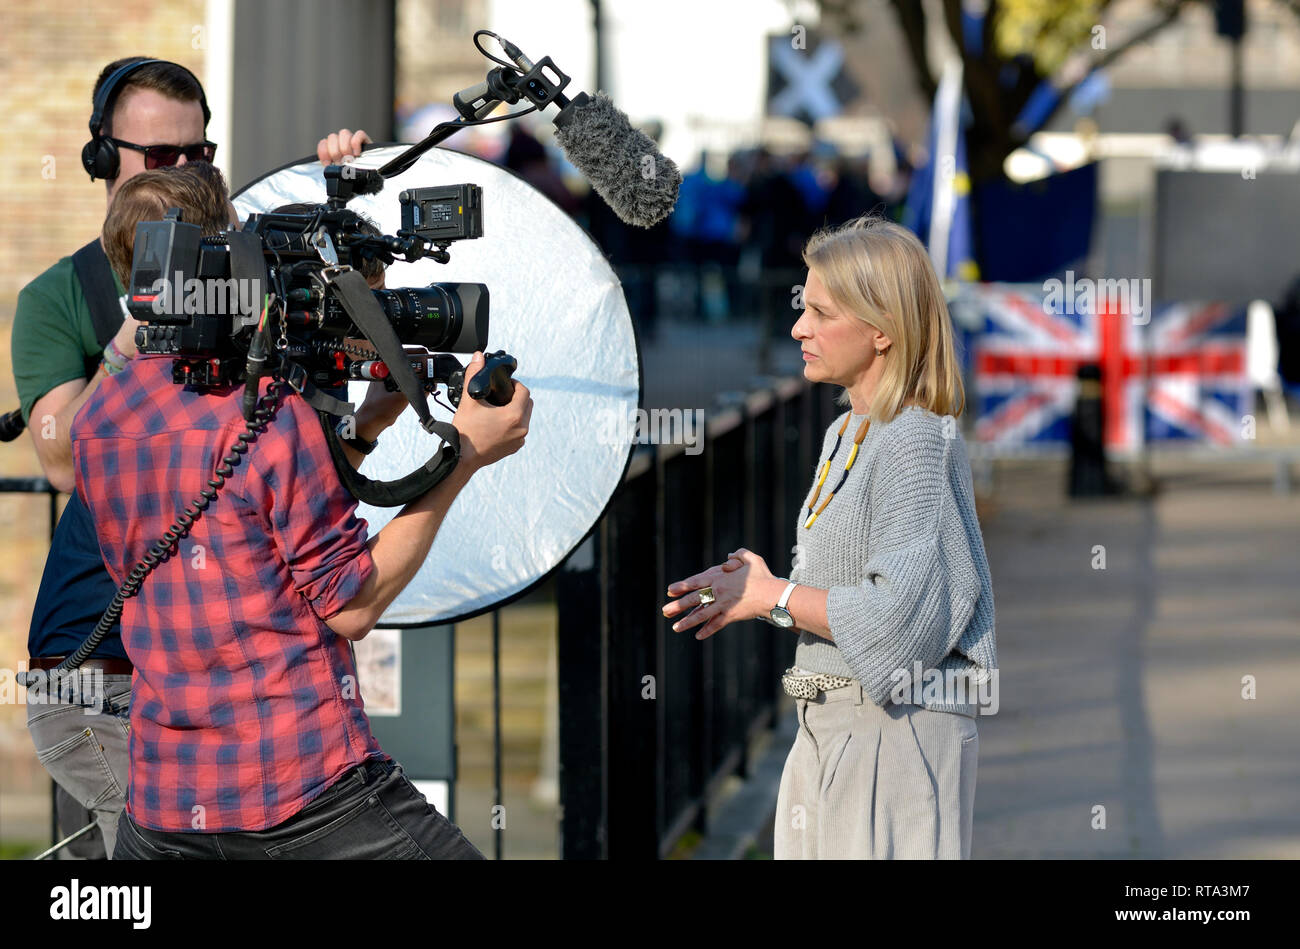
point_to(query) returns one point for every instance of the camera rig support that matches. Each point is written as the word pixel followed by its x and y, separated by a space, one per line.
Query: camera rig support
pixel 428 227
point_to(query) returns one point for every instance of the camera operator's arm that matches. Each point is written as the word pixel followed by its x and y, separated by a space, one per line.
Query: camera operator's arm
pixel 487 434
pixel 49 360
pixel 377 412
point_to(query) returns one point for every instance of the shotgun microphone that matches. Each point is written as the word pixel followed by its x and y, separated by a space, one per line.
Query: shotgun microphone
pixel 623 164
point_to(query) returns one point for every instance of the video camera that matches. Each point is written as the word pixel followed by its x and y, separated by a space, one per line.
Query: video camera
pixel 220 304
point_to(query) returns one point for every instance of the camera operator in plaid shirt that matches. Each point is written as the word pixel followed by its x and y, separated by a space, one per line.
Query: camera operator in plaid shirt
pixel 248 739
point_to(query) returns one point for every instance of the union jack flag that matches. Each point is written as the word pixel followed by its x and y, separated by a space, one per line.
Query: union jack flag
pixel 1180 376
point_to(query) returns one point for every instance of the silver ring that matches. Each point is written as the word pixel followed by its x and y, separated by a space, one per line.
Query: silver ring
pixel 706 595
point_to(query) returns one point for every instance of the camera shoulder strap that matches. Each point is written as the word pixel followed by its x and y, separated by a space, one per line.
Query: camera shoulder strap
pixel 390 493
pixel 379 493
pixel 300 381
pixel 365 311
pixel 97 286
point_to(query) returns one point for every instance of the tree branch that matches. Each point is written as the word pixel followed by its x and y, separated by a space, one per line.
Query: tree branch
pixel 911 18
pixel 1168 14
pixel 980 78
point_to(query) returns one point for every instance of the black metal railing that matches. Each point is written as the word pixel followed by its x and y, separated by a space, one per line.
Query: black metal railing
pixel 651 721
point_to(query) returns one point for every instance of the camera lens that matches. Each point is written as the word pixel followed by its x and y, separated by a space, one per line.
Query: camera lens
pixel 447 317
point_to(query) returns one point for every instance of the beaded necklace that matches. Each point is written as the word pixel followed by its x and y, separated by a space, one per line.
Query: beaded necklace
pixel 826 467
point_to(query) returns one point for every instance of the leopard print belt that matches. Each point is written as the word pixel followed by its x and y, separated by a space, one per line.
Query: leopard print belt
pixel 807 685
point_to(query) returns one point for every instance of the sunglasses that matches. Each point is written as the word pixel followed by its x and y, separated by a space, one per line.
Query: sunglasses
pixel 164 156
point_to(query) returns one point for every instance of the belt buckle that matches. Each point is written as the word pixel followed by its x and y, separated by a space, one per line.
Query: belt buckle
pixel 810 685
pixel 296 377
pixel 798 686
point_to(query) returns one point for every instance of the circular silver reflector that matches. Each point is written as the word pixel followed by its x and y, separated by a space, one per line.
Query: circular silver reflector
pixel 558 308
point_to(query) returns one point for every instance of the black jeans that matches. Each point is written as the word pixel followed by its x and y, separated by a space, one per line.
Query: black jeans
pixel 372 812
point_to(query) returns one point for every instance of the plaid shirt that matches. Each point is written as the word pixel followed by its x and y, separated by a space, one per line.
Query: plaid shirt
pixel 245 703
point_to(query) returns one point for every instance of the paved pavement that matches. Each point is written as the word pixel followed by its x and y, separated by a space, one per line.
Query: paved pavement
pixel 1122 687
pixel 1122 730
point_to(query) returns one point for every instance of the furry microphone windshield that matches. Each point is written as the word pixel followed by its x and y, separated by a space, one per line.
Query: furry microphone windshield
pixel 622 163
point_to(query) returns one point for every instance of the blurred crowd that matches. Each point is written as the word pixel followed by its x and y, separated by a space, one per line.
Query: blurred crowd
pixel 738 229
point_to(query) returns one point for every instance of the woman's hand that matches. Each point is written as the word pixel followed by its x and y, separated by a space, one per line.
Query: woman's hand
pixel 742 588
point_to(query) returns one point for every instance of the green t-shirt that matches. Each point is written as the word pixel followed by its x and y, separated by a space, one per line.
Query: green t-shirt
pixel 53 338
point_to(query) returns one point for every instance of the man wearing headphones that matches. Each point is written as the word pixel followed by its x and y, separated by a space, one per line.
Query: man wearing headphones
pixel 70 332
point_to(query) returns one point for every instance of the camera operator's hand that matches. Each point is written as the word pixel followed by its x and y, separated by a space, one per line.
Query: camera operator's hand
pixel 379 410
pixel 125 338
pixel 332 149
pixel 489 433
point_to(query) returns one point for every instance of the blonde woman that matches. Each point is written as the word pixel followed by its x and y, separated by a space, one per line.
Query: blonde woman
pixel 890 576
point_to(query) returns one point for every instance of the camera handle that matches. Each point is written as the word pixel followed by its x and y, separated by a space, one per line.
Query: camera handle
pixel 493 383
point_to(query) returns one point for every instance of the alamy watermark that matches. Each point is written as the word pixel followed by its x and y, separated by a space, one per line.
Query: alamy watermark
pixel 1125 296
pixel 919 686
pixel 131 903
pixel 652 427
pixel 81 686
pixel 213 296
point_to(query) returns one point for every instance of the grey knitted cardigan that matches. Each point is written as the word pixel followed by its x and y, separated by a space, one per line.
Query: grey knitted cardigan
pixel 900 550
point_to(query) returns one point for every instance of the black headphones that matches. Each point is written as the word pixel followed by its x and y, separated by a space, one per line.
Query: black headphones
pixel 99 156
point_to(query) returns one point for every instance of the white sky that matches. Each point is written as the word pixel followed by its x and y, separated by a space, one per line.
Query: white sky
pixel 700 66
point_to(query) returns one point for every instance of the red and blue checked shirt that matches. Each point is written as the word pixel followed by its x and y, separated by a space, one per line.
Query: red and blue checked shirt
pixel 245 703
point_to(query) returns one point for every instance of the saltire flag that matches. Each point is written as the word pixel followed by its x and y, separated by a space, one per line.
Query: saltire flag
pixel 1178 377
pixel 807 76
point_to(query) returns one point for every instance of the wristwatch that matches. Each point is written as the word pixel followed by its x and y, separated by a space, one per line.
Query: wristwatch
pixel 779 615
pixel 356 441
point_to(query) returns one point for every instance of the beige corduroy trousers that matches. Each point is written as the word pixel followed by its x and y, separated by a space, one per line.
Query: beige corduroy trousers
pixel 866 782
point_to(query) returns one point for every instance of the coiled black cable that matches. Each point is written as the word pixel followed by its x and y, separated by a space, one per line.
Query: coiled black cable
pixel 166 545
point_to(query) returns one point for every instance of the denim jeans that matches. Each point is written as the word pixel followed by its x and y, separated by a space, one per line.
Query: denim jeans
pixel 85 751
pixel 371 813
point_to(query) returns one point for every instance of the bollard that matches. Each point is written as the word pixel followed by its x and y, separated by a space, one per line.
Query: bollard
pixel 1088 477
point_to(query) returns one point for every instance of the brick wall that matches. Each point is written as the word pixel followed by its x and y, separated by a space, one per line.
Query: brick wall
pixel 50 55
